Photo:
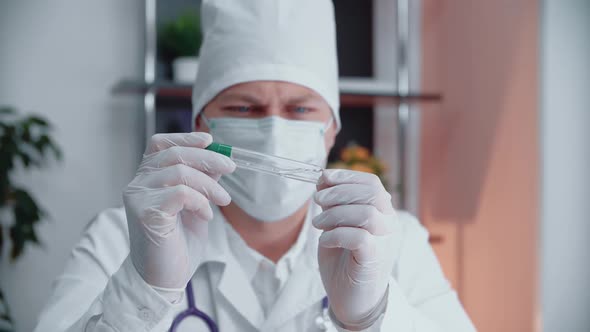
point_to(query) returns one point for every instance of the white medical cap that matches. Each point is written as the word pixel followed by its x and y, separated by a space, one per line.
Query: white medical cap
pixel 278 40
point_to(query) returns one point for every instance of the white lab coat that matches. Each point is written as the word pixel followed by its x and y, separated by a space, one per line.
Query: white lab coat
pixel 101 291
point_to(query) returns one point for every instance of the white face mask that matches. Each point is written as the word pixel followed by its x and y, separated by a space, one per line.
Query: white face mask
pixel 266 197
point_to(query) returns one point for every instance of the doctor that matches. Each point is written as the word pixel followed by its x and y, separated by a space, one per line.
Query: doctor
pixel 259 253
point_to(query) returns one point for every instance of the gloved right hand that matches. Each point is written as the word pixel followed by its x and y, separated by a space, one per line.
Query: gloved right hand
pixel 167 206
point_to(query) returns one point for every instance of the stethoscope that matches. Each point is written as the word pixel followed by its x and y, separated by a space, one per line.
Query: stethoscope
pixel 322 321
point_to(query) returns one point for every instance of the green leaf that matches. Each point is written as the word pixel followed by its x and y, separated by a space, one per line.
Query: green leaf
pixel 28 160
pixel 181 37
pixel 42 143
pixel 4 126
pixel 6 161
pixel 25 205
pixel 26 134
pixel 37 120
pixel 6 110
pixel 18 242
pixel 25 142
pixel 9 131
pixel 4 187
pixel 56 151
pixel 24 199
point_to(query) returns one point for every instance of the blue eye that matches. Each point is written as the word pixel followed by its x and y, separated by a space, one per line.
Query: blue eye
pixel 300 109
pixel 239 109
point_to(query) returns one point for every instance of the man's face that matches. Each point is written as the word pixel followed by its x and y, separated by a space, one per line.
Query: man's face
pixel 270 98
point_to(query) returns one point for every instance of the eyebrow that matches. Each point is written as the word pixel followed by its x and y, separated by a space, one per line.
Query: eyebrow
pixel 241 97
pixel 251 99
pixel 303 99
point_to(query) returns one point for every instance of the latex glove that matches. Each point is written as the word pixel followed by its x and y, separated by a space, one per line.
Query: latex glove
pixel 356 248
pixel 167 206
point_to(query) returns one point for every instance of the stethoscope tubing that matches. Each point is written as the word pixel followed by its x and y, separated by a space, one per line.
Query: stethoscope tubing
pixel 192 310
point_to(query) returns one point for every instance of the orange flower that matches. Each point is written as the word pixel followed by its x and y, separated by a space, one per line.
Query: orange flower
pixel 377 165
pixel 355 152
pixel 361 153
pixel 361 168
pixel 346 154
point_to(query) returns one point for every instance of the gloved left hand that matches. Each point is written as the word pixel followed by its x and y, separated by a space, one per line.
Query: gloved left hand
pixel 356 248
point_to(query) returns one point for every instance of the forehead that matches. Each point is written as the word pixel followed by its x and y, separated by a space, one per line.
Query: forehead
pixel 268 90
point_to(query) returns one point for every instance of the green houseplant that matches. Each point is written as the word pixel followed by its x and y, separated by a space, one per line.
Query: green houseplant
pixel 180 40
pixel 25 142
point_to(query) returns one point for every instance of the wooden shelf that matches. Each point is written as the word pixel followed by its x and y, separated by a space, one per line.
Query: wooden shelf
pixel 354 92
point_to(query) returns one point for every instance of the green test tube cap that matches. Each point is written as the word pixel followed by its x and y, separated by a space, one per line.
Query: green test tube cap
pixel 224 149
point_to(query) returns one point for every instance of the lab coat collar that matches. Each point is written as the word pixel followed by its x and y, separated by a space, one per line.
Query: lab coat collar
pixel 250 260
pixel 303 288
pixel 233 283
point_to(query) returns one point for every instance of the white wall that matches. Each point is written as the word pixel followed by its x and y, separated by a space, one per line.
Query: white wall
pixel 60 59
pixel 565 135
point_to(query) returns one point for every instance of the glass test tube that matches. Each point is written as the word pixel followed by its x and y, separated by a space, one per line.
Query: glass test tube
pixel 268 164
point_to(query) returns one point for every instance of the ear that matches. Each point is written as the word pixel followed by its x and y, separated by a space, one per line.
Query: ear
pixel 197 122
pixel 200 124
